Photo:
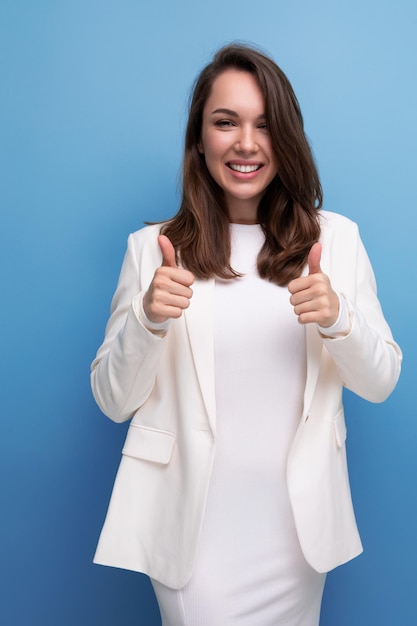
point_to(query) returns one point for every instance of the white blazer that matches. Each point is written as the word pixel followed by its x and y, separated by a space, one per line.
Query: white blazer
pixel 167 384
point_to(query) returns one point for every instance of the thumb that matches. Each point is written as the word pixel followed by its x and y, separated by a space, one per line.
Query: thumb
pixel 168 252
pixel 314 258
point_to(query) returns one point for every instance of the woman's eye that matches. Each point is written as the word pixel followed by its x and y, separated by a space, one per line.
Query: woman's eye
pixel 263 126
pixel 224 123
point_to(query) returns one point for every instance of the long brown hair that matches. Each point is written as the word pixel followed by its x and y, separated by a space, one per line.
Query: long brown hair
pixel 288 210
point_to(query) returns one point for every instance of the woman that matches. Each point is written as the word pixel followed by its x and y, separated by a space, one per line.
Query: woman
pixel 234 328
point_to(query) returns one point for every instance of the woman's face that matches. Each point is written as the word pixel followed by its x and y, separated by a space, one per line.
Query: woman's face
pixel 236 143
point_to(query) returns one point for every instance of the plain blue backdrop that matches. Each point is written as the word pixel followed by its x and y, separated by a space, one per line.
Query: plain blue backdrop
pixel 93 104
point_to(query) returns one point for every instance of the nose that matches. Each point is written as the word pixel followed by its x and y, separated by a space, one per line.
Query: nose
pixel 247 140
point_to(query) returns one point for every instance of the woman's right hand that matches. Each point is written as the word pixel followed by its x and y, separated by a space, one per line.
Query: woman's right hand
pixel 170 290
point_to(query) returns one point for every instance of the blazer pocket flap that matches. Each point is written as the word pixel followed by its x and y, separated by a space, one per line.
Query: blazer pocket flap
pixel 340 430
pixel 149 444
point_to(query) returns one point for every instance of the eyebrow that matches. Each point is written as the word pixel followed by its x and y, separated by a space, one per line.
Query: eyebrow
pixel 234 113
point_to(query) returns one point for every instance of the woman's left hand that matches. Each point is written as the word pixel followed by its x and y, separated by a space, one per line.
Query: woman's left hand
pixel 312 296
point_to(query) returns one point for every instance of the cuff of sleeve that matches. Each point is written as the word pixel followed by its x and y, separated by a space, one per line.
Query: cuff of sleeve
pixel 343 324
pixel 156 329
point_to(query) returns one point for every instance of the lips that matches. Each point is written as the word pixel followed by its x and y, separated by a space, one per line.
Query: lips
pixel 244 169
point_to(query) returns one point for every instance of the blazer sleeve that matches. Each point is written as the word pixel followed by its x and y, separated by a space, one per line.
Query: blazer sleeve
pixel 124 370
pixel 368 360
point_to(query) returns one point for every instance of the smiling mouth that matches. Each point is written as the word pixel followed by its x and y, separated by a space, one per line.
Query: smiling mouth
pixel 244 169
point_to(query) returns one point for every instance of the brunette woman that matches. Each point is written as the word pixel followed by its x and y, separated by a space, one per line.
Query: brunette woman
pixel 234 328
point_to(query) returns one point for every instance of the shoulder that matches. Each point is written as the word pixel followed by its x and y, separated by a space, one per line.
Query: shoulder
pixel 330 221
pixel 145 241
pixel 338 228
pixel 341 242
pixel 143 250
pixel 145 235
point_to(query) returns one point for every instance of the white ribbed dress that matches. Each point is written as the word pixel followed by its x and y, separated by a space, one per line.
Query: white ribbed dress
pixel 249 569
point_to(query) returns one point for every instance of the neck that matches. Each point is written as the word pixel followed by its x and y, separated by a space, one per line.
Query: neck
pixel 243 212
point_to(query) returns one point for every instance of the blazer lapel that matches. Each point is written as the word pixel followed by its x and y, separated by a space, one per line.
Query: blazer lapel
pixel 199 318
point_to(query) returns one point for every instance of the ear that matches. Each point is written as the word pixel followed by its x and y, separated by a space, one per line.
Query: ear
pixel 200 147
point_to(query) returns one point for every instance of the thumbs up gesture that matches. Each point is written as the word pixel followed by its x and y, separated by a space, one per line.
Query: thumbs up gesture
pixel 169 292
pixel 312 296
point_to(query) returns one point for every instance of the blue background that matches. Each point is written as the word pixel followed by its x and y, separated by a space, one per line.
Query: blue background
pixel 92 116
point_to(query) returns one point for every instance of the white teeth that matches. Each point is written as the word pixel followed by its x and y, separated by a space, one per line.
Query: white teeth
pixel 245 169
